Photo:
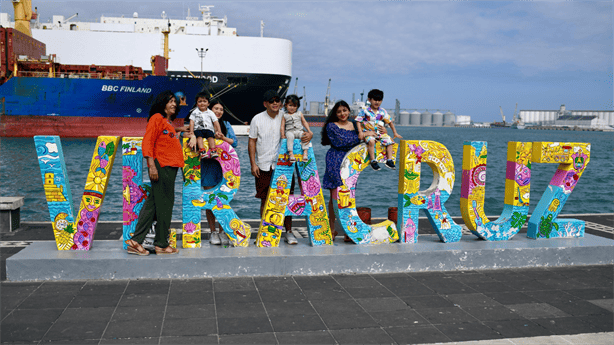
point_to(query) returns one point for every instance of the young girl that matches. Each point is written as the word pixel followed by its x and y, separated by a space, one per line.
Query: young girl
pixel 292 124
pixel 203 123
pixel 211 171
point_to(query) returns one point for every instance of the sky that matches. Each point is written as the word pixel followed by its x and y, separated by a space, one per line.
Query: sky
pixel 467 57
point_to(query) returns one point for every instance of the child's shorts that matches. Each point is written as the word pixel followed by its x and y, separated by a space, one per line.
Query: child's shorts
pixel 384 140
pixel 204 133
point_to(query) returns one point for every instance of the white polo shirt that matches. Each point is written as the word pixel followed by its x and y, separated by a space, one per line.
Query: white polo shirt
pixel 266 131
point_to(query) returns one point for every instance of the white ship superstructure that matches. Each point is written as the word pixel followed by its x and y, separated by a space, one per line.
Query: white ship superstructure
pixel 236 69
pixel 133 40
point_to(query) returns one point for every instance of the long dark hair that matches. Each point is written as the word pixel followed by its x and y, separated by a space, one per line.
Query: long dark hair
pixel 222 124
pixel 332 117
pixel 160 103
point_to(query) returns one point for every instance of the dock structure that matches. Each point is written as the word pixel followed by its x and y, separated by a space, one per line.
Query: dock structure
pixel 40 260
pixel 480 291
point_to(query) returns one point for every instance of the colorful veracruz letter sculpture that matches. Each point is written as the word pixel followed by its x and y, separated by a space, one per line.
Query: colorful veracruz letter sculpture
pixel 74 233
pixel 355 161
pixel 134 191
pixel 310 203
pixel 572 159
pixel 412 200
pixel 517 190
pixel 215 199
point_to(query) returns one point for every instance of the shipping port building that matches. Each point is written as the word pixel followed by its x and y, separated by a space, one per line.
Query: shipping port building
pixel 568 118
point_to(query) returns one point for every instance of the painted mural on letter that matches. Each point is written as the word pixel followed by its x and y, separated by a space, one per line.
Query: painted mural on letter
pixel 74 232
pixel 411 200
pixel 572 159
pixel 309 203
pixel 355 161
pixel 517 190
pixel 217 199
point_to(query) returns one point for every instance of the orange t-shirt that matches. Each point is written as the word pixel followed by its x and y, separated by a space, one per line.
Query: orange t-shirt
pixel 160 142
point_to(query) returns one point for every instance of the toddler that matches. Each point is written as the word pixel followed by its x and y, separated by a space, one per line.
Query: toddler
pixel 203 123
pixel 369 119
pixel 292 124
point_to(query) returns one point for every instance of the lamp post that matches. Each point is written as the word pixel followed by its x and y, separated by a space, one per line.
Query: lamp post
pixel 201 53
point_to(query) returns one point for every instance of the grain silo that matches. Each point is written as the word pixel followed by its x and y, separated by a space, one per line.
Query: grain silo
pixel 437 119
pixel 449 119
pixel 426 118
pixel 414 118
pixel 611 119
pixel 404 118
pixel 542 117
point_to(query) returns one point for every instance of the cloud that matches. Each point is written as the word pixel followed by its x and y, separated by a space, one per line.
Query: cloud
pixel 52 147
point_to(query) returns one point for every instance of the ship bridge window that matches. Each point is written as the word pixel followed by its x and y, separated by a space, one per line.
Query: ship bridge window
pixel 73 27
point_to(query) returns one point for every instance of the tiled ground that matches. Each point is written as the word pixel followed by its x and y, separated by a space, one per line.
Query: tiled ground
pixel 338 309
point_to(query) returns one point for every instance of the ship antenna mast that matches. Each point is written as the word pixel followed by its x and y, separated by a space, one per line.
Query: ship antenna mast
pixel 262 28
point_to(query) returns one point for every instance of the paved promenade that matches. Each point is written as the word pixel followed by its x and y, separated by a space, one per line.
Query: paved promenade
pixel 545 305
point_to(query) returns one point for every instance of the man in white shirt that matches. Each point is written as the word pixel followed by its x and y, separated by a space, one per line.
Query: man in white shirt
pixel 263 147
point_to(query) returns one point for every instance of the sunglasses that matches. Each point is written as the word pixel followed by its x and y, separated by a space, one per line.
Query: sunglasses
pixel 275 100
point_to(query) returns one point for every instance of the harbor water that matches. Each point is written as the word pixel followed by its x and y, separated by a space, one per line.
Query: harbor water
pixel 20 174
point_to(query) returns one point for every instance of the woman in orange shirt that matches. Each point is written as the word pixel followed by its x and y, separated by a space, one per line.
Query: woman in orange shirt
pixel 164 156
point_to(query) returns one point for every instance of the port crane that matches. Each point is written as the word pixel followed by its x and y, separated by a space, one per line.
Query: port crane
pixel 327 98
pixel 304 100
pixel 502 116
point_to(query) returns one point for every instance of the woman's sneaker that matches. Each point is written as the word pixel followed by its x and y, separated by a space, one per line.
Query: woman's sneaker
pixel 214 153
pixel 215 238
pixel 224 238
pixel 374 165
pixel 290 238
pixel 390 164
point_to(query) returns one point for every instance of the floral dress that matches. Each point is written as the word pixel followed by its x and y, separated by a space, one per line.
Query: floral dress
pixel 342 140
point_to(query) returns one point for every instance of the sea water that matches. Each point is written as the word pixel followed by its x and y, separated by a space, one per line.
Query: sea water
pixel 20 173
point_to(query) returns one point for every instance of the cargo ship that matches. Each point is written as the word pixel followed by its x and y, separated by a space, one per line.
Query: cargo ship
pixel 107 86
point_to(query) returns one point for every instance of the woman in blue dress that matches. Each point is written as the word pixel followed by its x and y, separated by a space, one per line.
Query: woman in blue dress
pixel 341 134
pixel 211 171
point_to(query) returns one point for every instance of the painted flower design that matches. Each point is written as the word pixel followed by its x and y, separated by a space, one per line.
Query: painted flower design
pixel 312 187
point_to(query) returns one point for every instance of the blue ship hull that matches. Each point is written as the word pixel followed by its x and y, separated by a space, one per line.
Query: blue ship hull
pixel 54 102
